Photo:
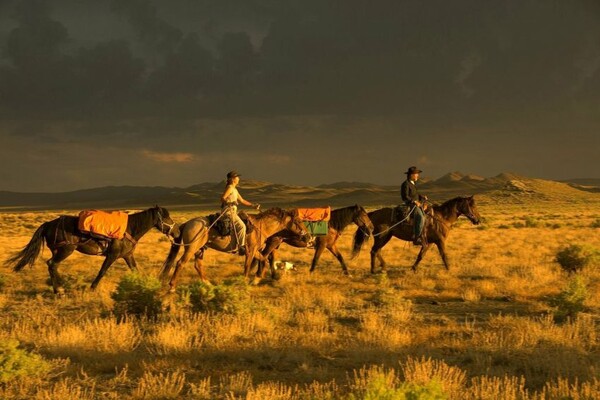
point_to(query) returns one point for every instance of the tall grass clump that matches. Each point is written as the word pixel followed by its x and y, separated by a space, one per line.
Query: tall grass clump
pixel 231 297
pixel 575 257
pixel 375 383
pixel 137 295
pixel 571 299
pixel 15 362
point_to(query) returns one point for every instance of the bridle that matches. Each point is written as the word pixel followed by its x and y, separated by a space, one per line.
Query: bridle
pixel 362 225
pixel 163 224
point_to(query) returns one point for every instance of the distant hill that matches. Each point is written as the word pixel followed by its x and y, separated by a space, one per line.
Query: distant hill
pixel 502 188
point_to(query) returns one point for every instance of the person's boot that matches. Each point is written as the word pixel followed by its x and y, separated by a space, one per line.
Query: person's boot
pixel 241 250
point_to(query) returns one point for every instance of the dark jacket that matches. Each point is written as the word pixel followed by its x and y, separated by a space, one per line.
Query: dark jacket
pixel 409 193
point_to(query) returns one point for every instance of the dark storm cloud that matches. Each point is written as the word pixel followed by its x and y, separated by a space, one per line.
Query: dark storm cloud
pixel 197 85
pixel 396 58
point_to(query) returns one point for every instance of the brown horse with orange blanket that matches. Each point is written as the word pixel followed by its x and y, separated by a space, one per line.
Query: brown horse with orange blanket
pixel 63 236
pixel 339 220
pixel 436 230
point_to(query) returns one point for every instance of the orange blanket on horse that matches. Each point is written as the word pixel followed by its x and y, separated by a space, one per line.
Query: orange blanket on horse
pixel 314 214
pixel 109 224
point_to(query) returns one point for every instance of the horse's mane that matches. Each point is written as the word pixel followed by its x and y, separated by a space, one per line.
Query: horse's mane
pixel 450 203
pixel 141 219
pixel 276 212
pixel 342 217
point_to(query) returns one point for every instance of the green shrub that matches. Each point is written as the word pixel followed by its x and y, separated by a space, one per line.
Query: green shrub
pixel 15 362
pixel 531 222
pixel 380 388
pixel 570 300
pixel 138 295
pixel 575 257
pixel 232 296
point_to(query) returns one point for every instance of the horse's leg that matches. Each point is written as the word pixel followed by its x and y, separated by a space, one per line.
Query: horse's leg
pixel 111 257
pixel 334 250
pixel 318 251
pixel 187 255
pixel 422 252
pixel 199 266
pixel 131 263
pixel 378 244
pixel 58 255
pixel 269 254
pixel 272 263
pixel 441 245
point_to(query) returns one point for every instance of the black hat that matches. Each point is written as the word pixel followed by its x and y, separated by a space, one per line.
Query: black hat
pixel 232 174
pixel 413 170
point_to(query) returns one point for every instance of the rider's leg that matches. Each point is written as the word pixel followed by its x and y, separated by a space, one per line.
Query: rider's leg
pixel 240 231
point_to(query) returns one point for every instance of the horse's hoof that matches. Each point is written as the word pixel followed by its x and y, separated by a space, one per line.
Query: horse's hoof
pixel 255 281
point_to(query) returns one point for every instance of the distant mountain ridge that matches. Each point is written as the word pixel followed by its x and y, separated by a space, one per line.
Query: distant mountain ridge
pixel 504 187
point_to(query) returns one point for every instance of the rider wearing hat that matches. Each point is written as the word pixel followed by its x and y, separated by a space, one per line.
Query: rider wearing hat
pixel 229 202
pixel 412 198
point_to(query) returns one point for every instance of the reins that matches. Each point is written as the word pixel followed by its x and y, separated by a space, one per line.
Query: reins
pixel 397 223
pixel 197 235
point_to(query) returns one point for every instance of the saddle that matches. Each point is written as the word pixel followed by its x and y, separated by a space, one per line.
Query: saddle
pixel 401 213
pixel 223 225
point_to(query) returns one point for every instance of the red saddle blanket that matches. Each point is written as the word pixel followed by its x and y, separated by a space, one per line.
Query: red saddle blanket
pixel 314 214
pixel 109 224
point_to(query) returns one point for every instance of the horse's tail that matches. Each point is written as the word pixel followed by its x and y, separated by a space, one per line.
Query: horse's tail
pixel 170 261
pixel 31 251
pixel 357 242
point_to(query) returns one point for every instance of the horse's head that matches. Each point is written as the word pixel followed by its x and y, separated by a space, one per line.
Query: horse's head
pixel 295 224
pixel 468 208
pixel 164 223
pixel 362 220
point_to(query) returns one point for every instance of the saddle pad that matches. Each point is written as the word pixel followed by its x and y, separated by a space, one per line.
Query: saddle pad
pixel 109 224
pixel 314 214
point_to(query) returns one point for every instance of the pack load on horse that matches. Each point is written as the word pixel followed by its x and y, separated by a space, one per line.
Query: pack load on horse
pixel 63 236
pixel 339 219
pixel 103 224
pixel 198 234
pixel 316 221
pixel 435 231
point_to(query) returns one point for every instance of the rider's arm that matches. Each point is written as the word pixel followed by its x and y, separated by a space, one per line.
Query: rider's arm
pixel 244 201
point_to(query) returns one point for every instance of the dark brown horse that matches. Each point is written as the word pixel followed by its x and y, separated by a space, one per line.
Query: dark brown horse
pixel 63 237
pixel 340 219
pixel 197 234
pixel 436 229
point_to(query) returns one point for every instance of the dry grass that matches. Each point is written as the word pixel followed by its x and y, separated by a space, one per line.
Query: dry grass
pixel 483 330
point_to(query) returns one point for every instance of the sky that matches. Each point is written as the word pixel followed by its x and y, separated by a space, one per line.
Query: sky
pixel 174 93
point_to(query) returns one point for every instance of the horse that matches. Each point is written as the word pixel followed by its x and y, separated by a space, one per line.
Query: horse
pixel 340 219
pixel 63 237
pixel 437 229
pixel 197 234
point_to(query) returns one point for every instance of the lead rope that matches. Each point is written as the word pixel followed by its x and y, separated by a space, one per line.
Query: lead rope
pixel 397 223
pixel 197 236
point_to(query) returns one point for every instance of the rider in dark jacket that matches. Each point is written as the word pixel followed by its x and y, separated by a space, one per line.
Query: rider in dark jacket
pixel 412 198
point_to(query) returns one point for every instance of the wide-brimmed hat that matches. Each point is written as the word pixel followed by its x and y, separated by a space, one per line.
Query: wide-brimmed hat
pixel 413 170
pixel 232 174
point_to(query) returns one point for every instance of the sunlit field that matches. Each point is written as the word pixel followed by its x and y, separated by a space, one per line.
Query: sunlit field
pixel 486 329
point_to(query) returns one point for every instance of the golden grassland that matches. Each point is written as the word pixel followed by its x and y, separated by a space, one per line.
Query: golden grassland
pixel 482 330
